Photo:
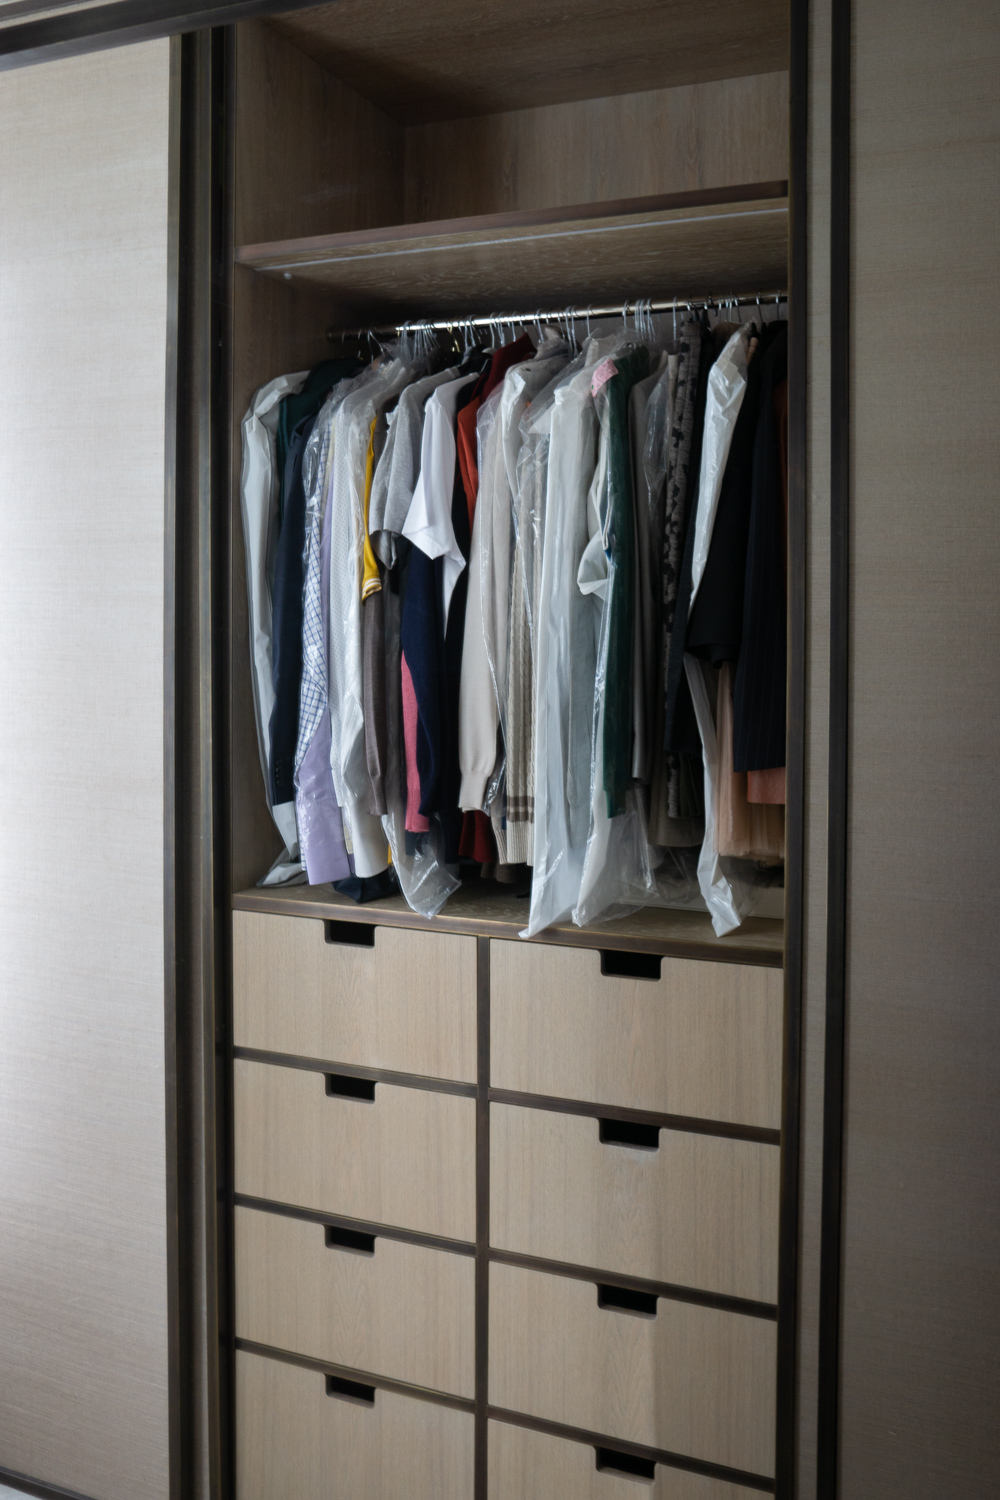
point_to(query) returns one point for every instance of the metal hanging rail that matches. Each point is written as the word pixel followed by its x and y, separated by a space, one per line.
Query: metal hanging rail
pixel 644 306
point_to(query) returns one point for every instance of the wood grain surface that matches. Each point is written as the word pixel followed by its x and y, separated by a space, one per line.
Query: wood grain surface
pixel 492 910
pixel 465 57
pixel 732 247
pixel 706 135
pixel 526 1465
pixel 312 156
pixel 408 1158
pixel 84 285
pixel 921 1295
pixel 405 1312
pixel 703 1040
pixel 294 1442
pixel 693 1380
pixel 700 1211
pixel 407 1004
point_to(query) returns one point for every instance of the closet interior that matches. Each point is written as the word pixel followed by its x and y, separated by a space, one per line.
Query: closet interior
pixel 507 1213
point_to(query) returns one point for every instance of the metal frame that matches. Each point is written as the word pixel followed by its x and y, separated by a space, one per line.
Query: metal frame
pixel 831 1228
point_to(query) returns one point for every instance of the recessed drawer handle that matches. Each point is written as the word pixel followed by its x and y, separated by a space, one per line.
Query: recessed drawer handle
pixel 627 1465
pixel 346 1086
pixel 351 1240
pixel 350 934
pixel 623 1299
pixel 616 964
pixel 350 1390
pixel 629 1133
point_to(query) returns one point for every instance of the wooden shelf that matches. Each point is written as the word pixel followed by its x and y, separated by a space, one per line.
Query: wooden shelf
pixel 674 245
pixel 468 57
pixel 486 909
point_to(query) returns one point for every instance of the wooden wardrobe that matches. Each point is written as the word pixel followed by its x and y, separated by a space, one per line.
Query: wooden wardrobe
pixel 508 1217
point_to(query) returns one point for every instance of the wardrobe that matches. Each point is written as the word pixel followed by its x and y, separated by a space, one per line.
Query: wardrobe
pixel 510 1219
pixel 300 1197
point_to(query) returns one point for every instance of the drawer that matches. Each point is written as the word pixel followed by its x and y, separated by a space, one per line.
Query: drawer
pixel 404 1311
pixel 699 1211
pixel 702 1040
pixel 526 1465
pixel 406 1004
pixel 407 1157
pixel 294 1442
pixel 693 1380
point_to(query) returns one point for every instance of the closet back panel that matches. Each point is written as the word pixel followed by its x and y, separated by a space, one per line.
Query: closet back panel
pixel 84 202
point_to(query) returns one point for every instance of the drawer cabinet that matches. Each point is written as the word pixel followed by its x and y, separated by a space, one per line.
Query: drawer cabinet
pixel 703 1040
pixel 692 1380
pixel 404 1158
pixel 526 1465
pixel 698 1211
pixel 406 1004
pixel 403 1311
pixel 294 1442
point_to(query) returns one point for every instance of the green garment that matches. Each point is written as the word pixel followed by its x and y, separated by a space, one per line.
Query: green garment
pixel 306 403
pixel 619 543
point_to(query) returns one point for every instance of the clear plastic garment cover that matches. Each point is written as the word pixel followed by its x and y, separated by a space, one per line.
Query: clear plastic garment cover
pixel 554 511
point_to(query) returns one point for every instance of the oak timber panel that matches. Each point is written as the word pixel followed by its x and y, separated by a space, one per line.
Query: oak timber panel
pixel 405 1312
pixel 85 204
pixel 466 57
pixel 527 1465
pixel 483 907
pixel 704 1040
pixel 921 1295
pixel 312 156
pixel 421 270
pixel 406 1159
pixel 294 1442
pixel 408 1004
pixel 700 1211
pixel 706 135
pixel 692 1380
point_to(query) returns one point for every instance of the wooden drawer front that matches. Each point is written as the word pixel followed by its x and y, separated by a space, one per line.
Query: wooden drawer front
pixel 408 1004
pixel 703 1040
pixel 294 1442
pixel 692 1380
pixel 700 1211
pixel 406 1312
pixel 526 1465
pixel 408 1158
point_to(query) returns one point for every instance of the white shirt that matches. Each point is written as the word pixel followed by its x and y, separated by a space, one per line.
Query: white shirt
pixel 428 523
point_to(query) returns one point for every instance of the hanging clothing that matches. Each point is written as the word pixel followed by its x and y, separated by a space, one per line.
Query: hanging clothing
pixel 743 828
pixel 647 488
pixel 259 489
pixel 396 475
pixel 759 688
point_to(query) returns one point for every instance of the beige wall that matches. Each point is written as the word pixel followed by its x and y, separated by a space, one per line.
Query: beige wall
pixel 83 305
pixel 921 1314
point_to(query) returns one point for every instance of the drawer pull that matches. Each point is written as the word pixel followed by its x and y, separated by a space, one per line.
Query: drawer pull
pixel 346 1086
pixel 623 1299
pixel 616 964
pixel 350 934
pixel 629 1133
pixel 351 1240
pixel 627 1465
pixel 350 1390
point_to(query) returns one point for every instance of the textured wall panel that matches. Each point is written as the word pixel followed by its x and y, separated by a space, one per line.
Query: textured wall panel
pixel 83 306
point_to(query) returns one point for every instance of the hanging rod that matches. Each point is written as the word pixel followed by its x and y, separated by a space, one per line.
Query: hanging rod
pixel 561 315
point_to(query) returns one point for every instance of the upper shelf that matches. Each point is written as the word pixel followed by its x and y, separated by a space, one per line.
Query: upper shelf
pixel 456 58
pixel 730 240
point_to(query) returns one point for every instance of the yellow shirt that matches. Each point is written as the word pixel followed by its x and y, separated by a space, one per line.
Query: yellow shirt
pixel 371 583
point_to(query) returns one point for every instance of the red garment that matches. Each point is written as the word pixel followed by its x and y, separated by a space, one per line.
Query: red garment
pixel 767 787
pixel 477 840
pixel 415 821
pixel 465 426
